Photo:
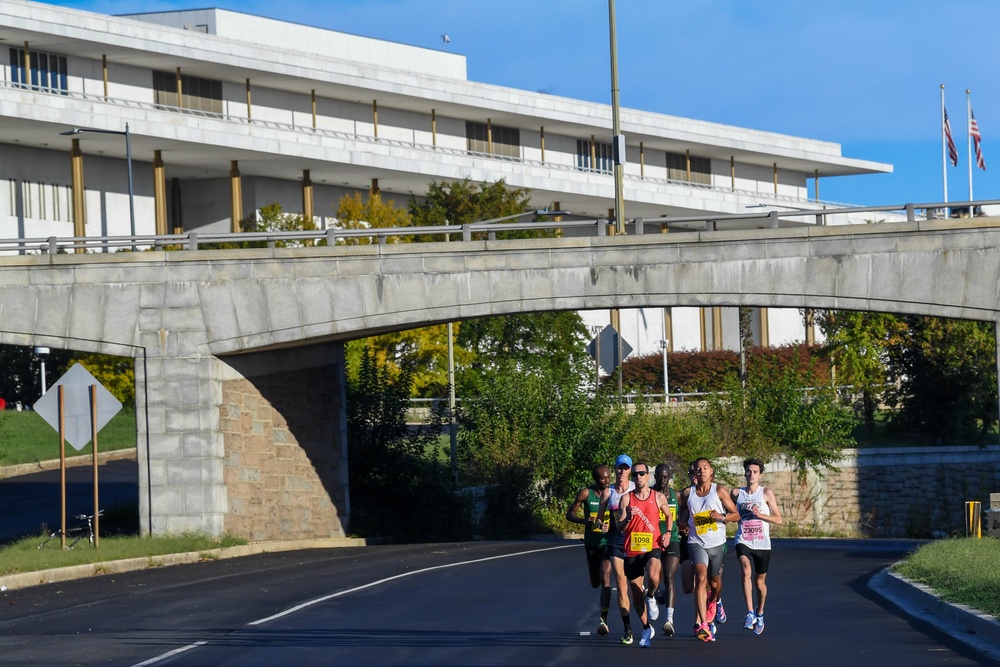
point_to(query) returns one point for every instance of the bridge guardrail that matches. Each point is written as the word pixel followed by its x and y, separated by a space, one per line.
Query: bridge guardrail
pixel 196 240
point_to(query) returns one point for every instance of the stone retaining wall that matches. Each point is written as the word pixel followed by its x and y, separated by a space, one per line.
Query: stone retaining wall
pixel 887 492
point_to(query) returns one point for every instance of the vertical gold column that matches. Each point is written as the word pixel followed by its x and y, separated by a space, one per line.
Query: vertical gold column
pixel 775 178
pixel 810 326
pixel 27 66
pixel 308 209
pixel 593 164
pixel 314 107
pixel 765 329
pixel 642 161
pixel 732 171
pixel 249 105
pixel 236 194
pixel 434 128
pixel 703 329
pixel 716 328
pixel 816 183
pixel 79 212
pixel 176 219
pixel 489 136
pixel 180 89
pixel 159 193
pixel 104 71
pixel 541 134
pixel 668 326
pixel 687 162
pixel 375 116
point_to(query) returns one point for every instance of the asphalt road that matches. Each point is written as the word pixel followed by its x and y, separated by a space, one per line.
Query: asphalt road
pixel 32 501
pixel 524 603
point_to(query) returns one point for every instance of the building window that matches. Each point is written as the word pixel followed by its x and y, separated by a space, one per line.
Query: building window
pixel 701 168
pixel 506 141
pixel 48 71
pixel 601 159
pixel 196 93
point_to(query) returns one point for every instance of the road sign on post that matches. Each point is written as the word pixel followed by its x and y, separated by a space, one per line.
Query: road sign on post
pixel 604 348
pixel 79 407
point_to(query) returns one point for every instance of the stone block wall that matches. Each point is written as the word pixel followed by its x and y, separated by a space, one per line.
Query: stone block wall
pixel 887 492
pixel 285 467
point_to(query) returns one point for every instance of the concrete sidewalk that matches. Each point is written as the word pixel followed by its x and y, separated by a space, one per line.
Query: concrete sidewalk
pixel 970 626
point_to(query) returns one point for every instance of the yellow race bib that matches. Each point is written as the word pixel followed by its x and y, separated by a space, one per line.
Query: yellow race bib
pixel 641 542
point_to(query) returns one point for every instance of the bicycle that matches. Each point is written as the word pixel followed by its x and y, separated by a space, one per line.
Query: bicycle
pixel 84 530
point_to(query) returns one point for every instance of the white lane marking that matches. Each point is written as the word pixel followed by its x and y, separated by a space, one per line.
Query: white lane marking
pixel 169 654
pixel 304 605
pixel 394 577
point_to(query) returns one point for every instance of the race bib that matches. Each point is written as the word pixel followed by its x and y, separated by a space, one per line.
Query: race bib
pixel 753 530
pixel 704 523
pixel 641 542
pixel 594 525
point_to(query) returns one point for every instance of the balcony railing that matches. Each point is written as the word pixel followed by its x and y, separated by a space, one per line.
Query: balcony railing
pixel 439 150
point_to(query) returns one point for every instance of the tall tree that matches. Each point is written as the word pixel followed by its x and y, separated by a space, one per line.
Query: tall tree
pixel 858 344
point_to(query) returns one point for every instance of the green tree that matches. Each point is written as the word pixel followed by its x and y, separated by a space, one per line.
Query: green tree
pixel 943 375
pixel 858 343
pixel 398 489
pixel 20 377
pixel 117 374
pixel 355 213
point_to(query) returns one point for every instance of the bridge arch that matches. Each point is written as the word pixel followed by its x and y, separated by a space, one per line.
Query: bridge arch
pixel 241 373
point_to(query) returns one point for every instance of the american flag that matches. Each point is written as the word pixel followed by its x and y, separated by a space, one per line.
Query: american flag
pixel 976 138
pixel 952 148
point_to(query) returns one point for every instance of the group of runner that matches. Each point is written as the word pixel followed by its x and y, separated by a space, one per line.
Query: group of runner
pixel 641 531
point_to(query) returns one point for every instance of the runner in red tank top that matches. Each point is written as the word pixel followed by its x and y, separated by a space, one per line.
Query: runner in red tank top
pixel 639 517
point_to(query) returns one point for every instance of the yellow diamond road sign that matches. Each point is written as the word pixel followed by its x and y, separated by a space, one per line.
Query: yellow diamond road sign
pixel 76 408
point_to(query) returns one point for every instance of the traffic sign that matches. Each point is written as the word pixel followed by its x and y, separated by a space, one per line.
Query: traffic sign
pixel 76 410
pixel 604 348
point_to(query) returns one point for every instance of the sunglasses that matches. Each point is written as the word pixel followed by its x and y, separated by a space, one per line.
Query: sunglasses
pixel 640 473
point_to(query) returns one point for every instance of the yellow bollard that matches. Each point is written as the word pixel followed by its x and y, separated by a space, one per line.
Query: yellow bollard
pixel 973 519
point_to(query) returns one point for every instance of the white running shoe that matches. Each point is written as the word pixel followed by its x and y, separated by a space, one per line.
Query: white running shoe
pixel 668 629
pixel 652 609
pixel 647 636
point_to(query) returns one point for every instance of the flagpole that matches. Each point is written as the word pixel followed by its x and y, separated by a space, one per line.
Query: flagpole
pixel 968 125
pixel 944 153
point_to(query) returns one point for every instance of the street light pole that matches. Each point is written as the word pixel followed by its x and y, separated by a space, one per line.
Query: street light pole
pixel 616 129
pixel 128 159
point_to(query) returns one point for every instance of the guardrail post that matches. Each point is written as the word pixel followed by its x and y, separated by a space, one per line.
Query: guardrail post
pixel 192 240
pixel 602 226
pixel 773 217
pixel 331 236
pixel 491 235
pixel 53 245
pixel 270 244
pixel 910 217
pixel 638 225
pixel 382 239
pixel 466 232
pixel 820 220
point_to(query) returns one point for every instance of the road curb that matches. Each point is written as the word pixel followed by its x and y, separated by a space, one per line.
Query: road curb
pixel 26 579
pixel 969 626
pixel 71 462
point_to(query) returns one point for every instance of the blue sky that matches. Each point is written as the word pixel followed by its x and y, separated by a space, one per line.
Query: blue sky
pixel 862 73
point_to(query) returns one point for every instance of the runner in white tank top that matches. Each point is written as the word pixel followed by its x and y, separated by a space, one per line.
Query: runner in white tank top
pixel 706 507
pixel 758 510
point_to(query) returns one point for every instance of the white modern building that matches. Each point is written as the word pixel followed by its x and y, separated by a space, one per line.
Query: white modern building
pixel 219 123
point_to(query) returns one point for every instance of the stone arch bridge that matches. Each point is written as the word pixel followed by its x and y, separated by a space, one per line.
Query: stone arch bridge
pixel 239 353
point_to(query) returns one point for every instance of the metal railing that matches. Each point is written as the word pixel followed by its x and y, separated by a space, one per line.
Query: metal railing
pixel 381 141
pixel 468 232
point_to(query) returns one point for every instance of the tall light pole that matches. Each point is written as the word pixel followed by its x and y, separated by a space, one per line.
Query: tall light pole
pixel 616 127
pixel 41 352
pixel 128 158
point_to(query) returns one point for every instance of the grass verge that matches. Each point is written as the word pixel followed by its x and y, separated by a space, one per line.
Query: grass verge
pixel 26 438
pixel 25 556
pixel 963 570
